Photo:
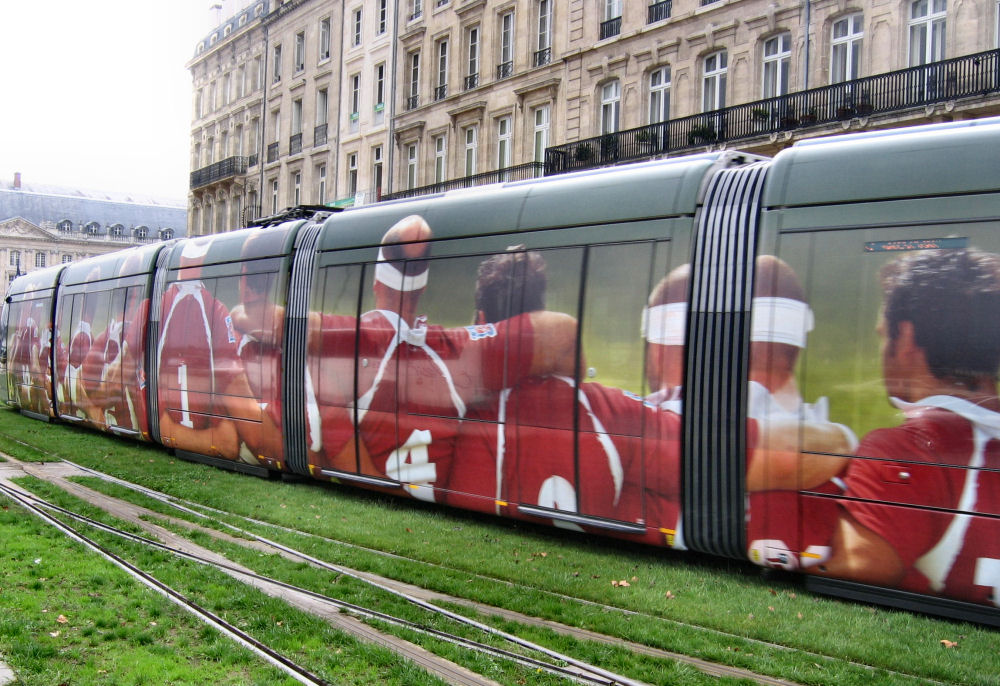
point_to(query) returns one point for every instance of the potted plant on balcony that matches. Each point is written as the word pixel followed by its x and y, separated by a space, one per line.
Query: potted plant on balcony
pixel 584 153
pixel 865 106
pixel 700 135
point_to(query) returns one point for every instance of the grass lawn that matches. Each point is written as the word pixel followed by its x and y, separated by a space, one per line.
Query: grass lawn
pixel 720 610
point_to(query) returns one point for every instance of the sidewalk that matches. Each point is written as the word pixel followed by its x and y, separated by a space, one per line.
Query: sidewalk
pixel 6 674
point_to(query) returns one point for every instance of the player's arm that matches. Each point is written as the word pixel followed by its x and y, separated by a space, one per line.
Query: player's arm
pixel 860 554
pixel 786 457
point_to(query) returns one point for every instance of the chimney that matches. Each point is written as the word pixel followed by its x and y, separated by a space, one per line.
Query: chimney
pixel 17 181
pixel 216 10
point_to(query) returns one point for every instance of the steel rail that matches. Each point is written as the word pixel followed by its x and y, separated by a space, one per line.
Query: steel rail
pixel 341 605
pixel 300 674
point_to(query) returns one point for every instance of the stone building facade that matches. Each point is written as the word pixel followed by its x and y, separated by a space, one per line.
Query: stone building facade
pixel 429 91
pixel 44 225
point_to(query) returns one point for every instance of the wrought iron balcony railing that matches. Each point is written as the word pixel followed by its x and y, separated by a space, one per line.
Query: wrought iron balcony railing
pixel 319 135
pixel 272 152
pixel 252 160
pixel 518 172
pixel 658 11
pixel 224 169
pixel 471 81
pixel 611 27
pixel 906 89
pixel 505 70
pixel 295 144
pixel 441 92
pixel 412 102
pixel 542 57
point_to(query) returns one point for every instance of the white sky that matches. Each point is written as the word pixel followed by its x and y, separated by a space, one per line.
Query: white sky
pixel 95 93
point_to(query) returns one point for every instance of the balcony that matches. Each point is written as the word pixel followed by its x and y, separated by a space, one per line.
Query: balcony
pixel 471 81
pixel 224 169
pixel 611 27
pixel 505 70
pixel 898 91
pixel 252 160
pixel 441 92
pixel 542 57
pixel 412 102
pixel 295 144
pixel 530 170
pixel 319 135
pixel 658 11
pixel 272 153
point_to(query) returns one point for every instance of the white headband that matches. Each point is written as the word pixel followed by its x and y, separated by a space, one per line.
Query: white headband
pixel 781 320
pixel 665 324
pixel 387 273
pixel 775 320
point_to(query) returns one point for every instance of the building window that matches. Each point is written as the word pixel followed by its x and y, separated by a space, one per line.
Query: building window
pixel 414 89
pixel 300 51
pixel 39 259
pixel 356 30
pixel 441 91
pixel 504 141
pixel 472 71
pixel 65 226
pixel 383 15
pixel 411 166
pixel 321 193
pixel 274 196
pixel 996 41
pixel 276 64
pixel 611 98
pixel 506 66
pixel 379 87
pixel 927 27
pixel 777 57
pixel 612 24
pixel 296 188
pixel 845 50
pixel 541 132
pixel 91 228
pixel 543 52
pixel 713 82
pixel 440 159
pixel 352 174
pixel 15 258
pixel 659 95
pixel 416 9
pixel 66 259
pixel 324 39
pixel 355 96
pixel 322 106
pixel 117 231
pixel 141 232
pixel 471 136
pixel 297 116
pixel 377 171
pixel 166 234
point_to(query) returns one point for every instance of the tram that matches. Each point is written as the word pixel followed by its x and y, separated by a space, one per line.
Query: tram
pixel 790 360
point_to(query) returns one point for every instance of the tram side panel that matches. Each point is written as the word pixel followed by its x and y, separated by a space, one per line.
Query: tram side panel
pixel 219 349
pixel 460 378
pixel 29 341
pixel 891 296
pixel 101 324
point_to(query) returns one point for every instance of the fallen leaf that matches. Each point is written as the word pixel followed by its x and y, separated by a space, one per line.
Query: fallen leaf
pixel 791 595
pixel 614 583
pixel 772 591
pixel 409 530
pixel 624 583
pixel 54 634
pixel 280 623
pixel 669 595
pixel 948 644
pixel 799 615
pixel 770 608
pixel 62 619
pixel 635 578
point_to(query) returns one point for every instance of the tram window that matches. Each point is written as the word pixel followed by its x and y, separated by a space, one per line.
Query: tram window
pixel 332 337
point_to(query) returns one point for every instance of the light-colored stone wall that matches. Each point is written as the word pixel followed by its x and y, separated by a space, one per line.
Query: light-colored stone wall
pixel 569 84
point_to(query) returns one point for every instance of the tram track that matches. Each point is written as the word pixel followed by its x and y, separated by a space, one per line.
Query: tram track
pixel 428 596
pixel 315 603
